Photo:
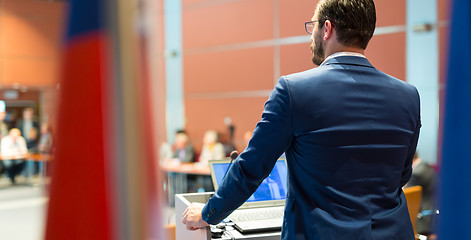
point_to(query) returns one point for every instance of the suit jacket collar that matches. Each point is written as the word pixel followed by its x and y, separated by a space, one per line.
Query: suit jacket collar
pixel 348 60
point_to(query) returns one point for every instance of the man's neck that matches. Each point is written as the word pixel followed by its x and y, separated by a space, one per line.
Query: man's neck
pixel 338 47
pixel 341 54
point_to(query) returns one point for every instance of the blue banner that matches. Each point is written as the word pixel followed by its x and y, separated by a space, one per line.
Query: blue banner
pixel 455 200
pixel 85 16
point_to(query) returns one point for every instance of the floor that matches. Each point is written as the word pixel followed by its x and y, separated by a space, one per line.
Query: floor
pixel 22 209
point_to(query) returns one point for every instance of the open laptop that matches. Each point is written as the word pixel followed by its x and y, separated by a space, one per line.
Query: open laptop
pixel 263 211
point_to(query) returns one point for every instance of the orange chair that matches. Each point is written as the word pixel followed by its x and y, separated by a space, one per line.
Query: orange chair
pixel 414 199
pixel 170 231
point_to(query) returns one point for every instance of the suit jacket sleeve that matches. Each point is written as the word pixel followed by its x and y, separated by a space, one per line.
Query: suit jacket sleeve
pixel 407 173
pixel 272 136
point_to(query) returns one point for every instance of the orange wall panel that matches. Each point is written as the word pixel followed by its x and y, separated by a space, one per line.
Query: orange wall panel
pixel 24 38
pixel 207 70
pixel 296 58
pixel 390 13
pixel 209 114
pixel 229 23
pixel 32 27
pixel 443 58
pixel 293 15
pixel 444 8
pixel 27 72
pixel 157 70
pixel 443 47
pixel 30 33
pixel 191 3
pixel 388 54
pixel 241 70
pixel 32 7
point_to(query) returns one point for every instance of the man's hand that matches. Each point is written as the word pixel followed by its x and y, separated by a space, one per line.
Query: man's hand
pixel 192 217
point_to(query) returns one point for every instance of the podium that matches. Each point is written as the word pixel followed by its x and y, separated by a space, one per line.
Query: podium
pixel 182 201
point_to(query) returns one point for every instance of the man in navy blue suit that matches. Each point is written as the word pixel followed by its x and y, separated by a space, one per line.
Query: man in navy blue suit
pixel 349 132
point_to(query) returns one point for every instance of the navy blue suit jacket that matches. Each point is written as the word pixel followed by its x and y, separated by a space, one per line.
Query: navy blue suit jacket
pixel 349 132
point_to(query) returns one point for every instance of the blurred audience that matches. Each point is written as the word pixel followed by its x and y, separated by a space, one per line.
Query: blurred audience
pixel 45 141
pixel 229 145
pixel 31 167
pixel 3 133
pixel 27 122
pixel 212 149
pixel 4 126
pixel 13 150
pixel 44 146
pixel 183 150
pixel 424 175
pixel 32 140
pixel 165 152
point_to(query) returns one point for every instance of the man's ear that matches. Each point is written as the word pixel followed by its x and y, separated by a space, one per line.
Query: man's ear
pixel 328 29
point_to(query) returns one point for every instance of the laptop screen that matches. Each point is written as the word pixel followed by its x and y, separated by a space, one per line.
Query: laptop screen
pixel 272 188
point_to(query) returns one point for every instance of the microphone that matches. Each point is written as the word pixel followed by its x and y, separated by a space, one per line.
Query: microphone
pixel 234 154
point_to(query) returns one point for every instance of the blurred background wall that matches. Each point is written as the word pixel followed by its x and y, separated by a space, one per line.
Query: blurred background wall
pixel 218 62
pixel 232 53
pixel 30 37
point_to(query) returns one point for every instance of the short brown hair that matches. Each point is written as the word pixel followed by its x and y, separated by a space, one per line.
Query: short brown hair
pixel 354 20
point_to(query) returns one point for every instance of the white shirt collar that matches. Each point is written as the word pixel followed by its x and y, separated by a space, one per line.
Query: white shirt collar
pixel 342 54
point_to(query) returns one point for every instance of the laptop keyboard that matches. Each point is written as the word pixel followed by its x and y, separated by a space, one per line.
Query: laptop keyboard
pixel 256 214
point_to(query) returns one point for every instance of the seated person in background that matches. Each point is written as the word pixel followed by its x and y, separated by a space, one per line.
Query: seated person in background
pixel 247 137
pixel 424 175
pixel 165 152
pixel 27 122
pixel 13 148
pixel 45 141
pixel 183 151
pixel 3 125
pixel 3 133
pixel 32 142
pixel 212 149
pixel 45 145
